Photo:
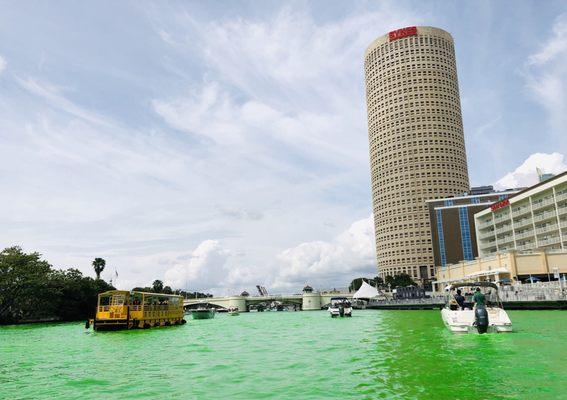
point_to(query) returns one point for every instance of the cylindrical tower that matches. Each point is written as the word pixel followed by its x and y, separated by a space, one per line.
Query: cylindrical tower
pixel 417 146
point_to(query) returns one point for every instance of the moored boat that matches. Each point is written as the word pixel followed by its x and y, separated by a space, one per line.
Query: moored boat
pixel 203 313
pixel 460 315
pixel 233 311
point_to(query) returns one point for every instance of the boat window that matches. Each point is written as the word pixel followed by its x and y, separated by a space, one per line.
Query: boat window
pixel 135 299
pixel 117 300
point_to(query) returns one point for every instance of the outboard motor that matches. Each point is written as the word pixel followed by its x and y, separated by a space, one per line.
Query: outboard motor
pixel 481 319
pixel 342 310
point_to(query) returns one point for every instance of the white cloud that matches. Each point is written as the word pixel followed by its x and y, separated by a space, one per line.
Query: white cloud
pixel 546 77
pixel 323 264
pixel 350 254
pixel 204 267
pixel 283 80
pixel 526 175
pixel 3 64
pixel 555 47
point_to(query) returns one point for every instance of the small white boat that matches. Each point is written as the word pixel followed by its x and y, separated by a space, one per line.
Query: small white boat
pixel 340 307
pixel 233 311
pixel 468 318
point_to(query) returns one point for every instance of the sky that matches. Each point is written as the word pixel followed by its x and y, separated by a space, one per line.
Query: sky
pixel 222 145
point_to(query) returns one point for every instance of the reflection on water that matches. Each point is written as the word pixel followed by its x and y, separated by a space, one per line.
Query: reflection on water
pixel 287 355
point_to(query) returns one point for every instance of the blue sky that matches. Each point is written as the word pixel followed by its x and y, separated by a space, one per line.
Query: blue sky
pixel 219 145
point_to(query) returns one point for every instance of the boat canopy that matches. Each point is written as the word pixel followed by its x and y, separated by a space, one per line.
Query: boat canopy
pixel 366 292
pixel 471 284
pixel 339 298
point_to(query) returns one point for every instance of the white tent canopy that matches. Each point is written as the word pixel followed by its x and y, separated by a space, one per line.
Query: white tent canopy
pixel 366 292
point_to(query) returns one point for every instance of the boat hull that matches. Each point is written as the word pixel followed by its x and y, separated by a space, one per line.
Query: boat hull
pixel 336 312
pixel 463 321
pixel 203 314
pixel 101 325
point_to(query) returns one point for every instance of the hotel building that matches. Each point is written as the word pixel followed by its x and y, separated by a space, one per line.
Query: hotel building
pixel 534 218
pixel 520 237
pixel 417 147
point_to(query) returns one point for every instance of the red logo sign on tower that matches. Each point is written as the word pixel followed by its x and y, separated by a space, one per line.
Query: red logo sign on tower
pixel 402 33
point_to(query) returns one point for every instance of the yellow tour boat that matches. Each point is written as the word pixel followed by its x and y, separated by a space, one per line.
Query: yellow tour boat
pixel 121 309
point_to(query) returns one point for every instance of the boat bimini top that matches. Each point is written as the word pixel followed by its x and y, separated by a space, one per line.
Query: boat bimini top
pixel 471 284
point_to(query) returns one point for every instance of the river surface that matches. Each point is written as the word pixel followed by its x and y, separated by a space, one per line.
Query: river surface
pixel 289 355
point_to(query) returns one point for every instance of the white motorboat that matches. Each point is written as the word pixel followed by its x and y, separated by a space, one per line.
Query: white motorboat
pixel 467 317
pixel 340 307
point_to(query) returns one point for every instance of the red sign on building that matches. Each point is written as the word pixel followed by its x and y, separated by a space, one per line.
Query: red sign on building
pixel 402 33
pixel 500 204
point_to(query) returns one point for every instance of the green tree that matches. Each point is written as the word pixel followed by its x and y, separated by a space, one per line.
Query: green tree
pixel 24 286
pixel 98 265
pixel 30 290
pixel 167 290
pixel 355 284
pixel 400 280
pixel 403 280
pixel 157 286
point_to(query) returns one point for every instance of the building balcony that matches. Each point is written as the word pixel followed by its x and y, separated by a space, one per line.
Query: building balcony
pixel 488 245
pixel 503 221
pixel 488 253
pixel 484 225
pixel 521 211
pixel 546 229
pixel 549 241
pixel 524 235
pixel 536 205
pixel 505 239
pixel 525 247
pixel 560 197
pixel 523 222
pixel 486 235
pixel 546 215
pixel 504 229
pixel 562 209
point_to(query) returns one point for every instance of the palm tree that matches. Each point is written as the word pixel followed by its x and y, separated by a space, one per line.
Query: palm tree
pixel 98 265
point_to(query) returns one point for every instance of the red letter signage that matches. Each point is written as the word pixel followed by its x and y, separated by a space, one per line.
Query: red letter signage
pixel 402 33
pixel 500 204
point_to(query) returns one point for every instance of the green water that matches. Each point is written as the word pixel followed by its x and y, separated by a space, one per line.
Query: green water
pixel 290 355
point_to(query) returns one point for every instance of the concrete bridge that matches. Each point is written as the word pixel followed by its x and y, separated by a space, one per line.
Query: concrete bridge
pixel 308 300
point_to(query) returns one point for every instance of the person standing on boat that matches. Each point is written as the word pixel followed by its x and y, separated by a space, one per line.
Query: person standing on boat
pixel 479 298
pixel 460 299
